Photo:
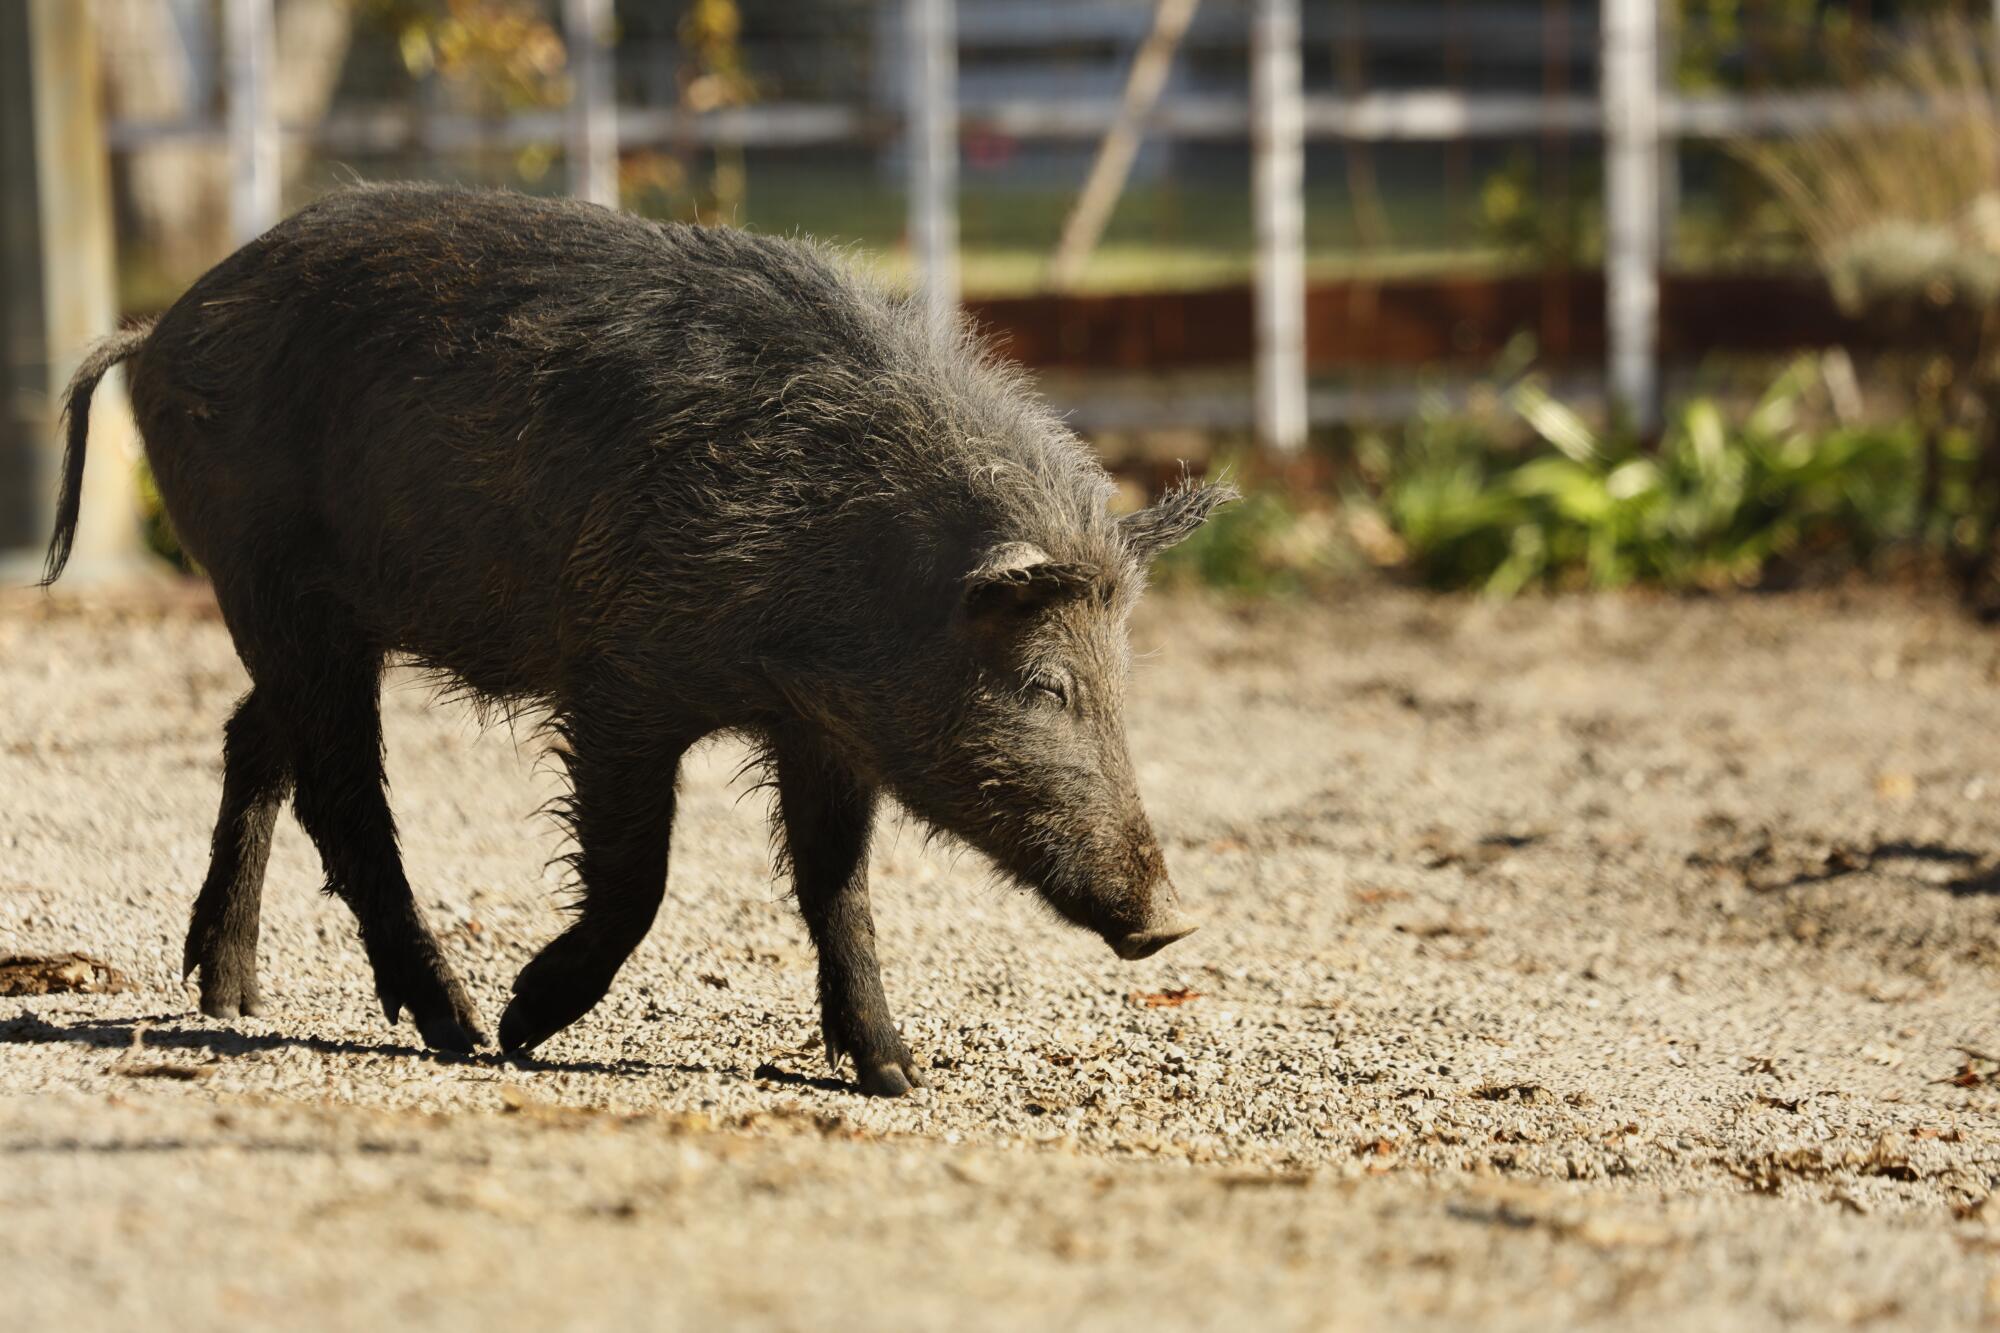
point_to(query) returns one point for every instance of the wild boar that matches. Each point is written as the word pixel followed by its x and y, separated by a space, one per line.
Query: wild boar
pixel 659 481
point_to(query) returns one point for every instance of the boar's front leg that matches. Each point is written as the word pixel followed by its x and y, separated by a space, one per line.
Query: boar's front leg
pixel 827 814
pixel 621 813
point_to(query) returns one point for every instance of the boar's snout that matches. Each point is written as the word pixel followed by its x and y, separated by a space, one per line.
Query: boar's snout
pixel 1168 924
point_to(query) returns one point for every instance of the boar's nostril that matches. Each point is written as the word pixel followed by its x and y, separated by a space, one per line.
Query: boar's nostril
pixel 1149 941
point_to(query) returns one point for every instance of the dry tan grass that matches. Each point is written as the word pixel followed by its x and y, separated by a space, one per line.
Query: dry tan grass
pixel 1900 198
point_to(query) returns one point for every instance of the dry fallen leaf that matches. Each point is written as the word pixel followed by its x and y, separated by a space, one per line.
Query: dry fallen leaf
pixel 1610 1233
pixel 969 1171
pixel 1171 998
pixel 59 974
pixel 1969 1074
pixel 1767 1173
pixel 185 1073
pixel 1884 1054
pixel 1372 896
pixel 1886 1158
pixel 514 1099
pixel 1244 1180
pixel 1438 929
pixel 1895 786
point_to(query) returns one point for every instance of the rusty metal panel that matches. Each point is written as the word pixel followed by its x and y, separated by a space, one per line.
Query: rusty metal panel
pixel 1463 322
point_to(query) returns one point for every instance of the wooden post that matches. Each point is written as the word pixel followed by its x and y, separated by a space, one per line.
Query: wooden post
pixel 1631 81
pixel 256 196
pixel 58 292
pixel 593 108
pixel 1085 224
pixel 1278 196
pixel 930 56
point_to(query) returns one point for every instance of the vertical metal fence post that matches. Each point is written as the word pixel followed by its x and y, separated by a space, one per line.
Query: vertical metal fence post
pixel 1278 196
pixel 931 65
pixel 592 160
pixel 1631 95
pixel 249 52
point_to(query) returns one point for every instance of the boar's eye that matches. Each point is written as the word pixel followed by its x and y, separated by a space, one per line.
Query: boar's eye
pixel 1051 688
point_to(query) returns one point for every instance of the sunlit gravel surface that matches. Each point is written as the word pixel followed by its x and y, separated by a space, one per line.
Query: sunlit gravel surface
pixel 1609 961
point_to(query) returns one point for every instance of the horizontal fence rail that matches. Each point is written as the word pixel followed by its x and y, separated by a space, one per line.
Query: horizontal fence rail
pixel 1414 116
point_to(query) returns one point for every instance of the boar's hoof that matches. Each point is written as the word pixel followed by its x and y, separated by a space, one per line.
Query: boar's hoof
pixel 228 974
pixel 559 985
pixel 222 1002
pixel 438 1005
pixel 883 1066
pixel 455 1031
pixel 230 990
pixel 521 1033
pixel 1145 943
pixel 889 1080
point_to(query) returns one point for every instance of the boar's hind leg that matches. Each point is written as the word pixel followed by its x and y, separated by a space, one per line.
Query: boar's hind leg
pixel 222 937
pixel 328 690
pixel 621 815
pixel 827 814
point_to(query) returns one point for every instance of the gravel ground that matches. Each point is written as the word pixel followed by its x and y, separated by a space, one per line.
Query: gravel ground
pixel 1599 961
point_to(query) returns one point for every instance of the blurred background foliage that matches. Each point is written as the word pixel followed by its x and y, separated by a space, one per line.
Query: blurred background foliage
pixel 1505 490
pixel 1781 494
pixel 507 52
pixel 1522 494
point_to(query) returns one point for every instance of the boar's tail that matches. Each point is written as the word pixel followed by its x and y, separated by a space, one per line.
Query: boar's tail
pixel 76 426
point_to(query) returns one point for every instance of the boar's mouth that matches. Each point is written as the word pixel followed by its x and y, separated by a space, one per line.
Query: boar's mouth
pixel 1173 924
pixel 1134 925
pixel 1129 903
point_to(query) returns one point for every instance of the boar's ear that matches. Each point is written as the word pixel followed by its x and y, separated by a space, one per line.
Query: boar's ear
pixel 1179 512
pixel 1020 576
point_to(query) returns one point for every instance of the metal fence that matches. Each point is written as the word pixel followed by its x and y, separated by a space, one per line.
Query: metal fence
pixel 1272 77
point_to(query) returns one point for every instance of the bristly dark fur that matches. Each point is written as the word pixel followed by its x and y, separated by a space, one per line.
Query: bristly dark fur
pixel 664 481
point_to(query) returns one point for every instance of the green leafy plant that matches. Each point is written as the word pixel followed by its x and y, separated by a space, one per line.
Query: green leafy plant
pixel 1715 505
